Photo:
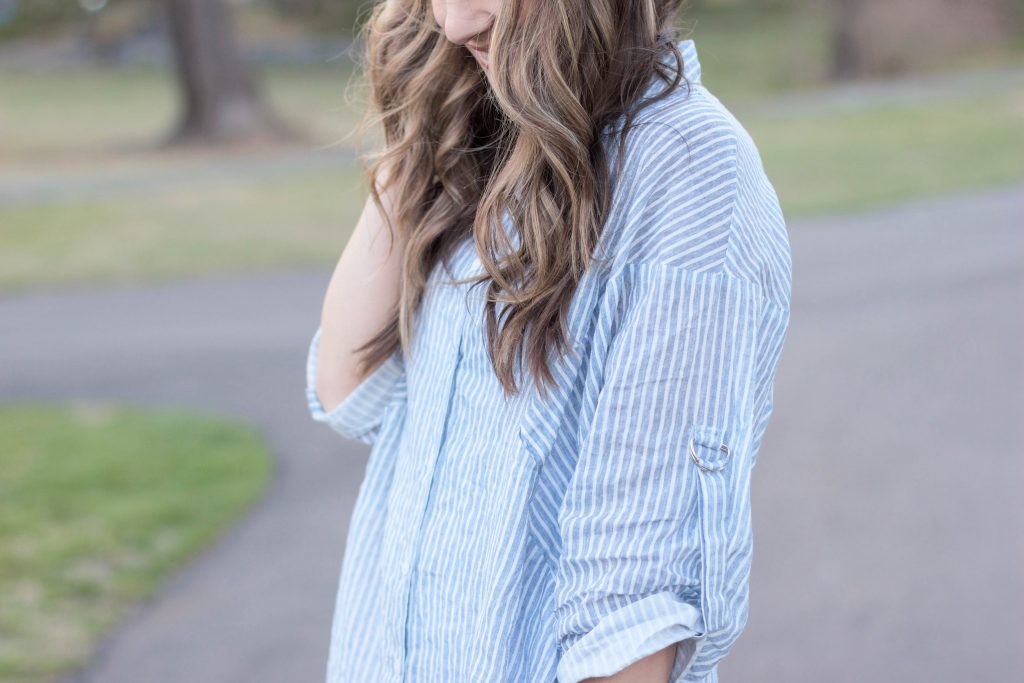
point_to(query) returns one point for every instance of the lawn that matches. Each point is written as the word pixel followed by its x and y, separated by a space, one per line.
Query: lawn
pixel 226 226
pixel 855 160
pixel 65 116
pixel 98 504
pixel 823 163
pixel 86 126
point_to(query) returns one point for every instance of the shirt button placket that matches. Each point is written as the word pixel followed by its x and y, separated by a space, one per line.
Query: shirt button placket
pixel 403 580
pixel 395 588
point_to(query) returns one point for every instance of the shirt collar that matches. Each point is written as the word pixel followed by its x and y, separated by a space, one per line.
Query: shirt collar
pixel 691 67
pixel 691 64
pixel 691 72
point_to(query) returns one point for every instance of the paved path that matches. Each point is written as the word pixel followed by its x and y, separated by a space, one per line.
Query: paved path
pixel 888 537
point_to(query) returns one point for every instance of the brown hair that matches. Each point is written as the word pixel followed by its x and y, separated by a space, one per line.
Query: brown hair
pixel 463 147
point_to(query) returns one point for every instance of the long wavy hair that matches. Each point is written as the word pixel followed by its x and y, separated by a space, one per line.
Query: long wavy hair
pixel 526 139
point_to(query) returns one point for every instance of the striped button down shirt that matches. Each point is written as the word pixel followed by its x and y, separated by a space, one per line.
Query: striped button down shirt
pixel 551 538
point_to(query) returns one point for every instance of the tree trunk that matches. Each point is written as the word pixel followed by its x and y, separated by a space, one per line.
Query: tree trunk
pixel 221 101
pixel 845 49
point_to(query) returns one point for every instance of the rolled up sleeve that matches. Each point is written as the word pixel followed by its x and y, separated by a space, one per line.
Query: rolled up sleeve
pixel 655 524
pixel 360 415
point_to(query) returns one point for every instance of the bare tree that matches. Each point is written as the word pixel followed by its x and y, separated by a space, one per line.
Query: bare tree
pixel 221 100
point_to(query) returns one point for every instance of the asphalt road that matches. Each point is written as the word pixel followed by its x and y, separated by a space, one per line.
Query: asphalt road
pixel 888 534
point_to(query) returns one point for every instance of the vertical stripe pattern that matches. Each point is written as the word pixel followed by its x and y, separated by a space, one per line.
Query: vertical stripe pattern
pixel 551 539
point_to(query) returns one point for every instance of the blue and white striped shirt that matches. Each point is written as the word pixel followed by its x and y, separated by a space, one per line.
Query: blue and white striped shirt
pixel 543 540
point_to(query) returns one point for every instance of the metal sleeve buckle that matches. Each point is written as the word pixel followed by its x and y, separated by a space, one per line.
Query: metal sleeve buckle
pixel 702 464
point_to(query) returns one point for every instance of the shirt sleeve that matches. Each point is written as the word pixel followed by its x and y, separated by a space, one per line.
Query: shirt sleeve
pixel 360 415
pixel 655 524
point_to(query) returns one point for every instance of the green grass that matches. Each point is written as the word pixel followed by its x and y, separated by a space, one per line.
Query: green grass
pixel 98 504
pixel 818 164
pixel 222 227
pixel 861 159
pixel 71 124
pixel 749 52
pixel 56 114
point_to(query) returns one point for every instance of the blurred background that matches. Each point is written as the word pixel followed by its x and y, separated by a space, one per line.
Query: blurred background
pixel 177 179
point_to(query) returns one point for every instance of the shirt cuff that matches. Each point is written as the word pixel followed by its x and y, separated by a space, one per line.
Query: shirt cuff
pixel 359 416
pixel 631 633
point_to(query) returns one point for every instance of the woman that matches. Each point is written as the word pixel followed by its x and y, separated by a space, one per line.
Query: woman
pixel 562 352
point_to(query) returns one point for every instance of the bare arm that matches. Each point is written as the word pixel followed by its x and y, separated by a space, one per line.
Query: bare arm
pixel 361 294
pixel 654 668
